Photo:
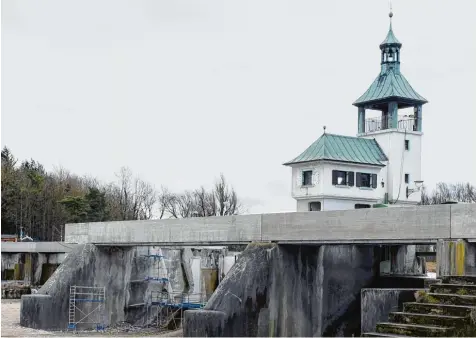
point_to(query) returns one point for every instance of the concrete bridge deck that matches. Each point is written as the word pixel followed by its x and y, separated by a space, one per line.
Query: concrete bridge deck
pixel 38 247
pixel 413 225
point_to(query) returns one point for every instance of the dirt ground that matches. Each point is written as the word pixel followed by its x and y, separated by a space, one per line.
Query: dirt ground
pixel 10 327
pixel 431 266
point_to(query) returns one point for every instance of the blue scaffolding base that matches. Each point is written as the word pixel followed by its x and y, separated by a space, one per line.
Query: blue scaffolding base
pixel 153 256
pixel 184 306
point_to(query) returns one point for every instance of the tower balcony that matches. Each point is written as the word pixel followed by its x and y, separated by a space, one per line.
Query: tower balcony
pixel 404 123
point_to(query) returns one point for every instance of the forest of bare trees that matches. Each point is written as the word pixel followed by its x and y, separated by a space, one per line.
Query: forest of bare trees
pixel 41 202
pixel 459 192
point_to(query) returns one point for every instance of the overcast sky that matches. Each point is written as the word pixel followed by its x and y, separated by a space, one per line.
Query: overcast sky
pixel 180 91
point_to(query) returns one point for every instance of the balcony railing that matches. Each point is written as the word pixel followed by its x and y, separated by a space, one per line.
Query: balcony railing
pixel 382 123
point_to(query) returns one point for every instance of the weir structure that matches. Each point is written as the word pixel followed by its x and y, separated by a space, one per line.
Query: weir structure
pixel 307 267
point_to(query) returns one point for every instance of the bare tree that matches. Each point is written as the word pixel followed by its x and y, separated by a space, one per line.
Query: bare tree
pixel 226 198
pixel 134 197
pixel 185 204
pixel 163 200
pixel 204 202
pixel 459 192
pixel 222 200
pixel 145 197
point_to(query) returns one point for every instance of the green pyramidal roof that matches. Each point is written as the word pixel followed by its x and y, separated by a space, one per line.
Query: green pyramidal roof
pixel 390 84
pixel 390 39
pixel 343 149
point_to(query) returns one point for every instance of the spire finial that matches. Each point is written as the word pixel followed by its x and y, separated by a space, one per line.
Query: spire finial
pixel 390 14
pixel 324 127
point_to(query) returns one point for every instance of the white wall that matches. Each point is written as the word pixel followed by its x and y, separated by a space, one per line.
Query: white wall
pixel 334 197
pixel 328 204
pixel 392 143
pixel 315 189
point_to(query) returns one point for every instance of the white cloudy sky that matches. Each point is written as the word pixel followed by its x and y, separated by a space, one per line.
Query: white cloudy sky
pixel 180 91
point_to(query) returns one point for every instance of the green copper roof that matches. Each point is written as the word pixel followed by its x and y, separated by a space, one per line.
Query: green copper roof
pixel 390 39
pixel 343 149
pixel 390 84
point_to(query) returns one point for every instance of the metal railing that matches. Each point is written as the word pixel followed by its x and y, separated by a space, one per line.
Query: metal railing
pixel 382 123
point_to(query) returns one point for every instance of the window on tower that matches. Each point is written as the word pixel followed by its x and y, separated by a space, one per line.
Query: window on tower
pixel 366 180
pixel 407 144
pixel 407 178
pixel 341 178
pixel 307 177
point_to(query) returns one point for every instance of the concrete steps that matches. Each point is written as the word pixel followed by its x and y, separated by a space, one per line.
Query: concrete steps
pixel 425 319
pixel 445 311
pixel 376 334
pixel 437 309
pixel 413 330
pixel 458 289
pixel 443 298
pixel 468 280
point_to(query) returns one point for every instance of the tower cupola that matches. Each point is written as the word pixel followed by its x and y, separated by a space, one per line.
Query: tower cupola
pixel 389 92
pixel 390 49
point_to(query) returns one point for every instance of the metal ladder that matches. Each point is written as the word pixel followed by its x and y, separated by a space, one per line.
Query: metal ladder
pixel 72 307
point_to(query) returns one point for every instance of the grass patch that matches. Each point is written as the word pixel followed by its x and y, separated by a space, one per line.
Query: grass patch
pixel 462 292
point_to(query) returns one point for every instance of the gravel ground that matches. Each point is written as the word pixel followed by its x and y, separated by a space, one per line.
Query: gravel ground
pixel 11 327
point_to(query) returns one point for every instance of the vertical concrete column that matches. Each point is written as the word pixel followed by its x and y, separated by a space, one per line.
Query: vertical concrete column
pixel 403 261
pixel 41 259
pixel 361 120
pixel 455 257
pixel 418 117
pixel 28 269
pixel 393 115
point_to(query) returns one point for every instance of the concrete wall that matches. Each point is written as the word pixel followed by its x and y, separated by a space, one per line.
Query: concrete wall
pixel 376 304
pixel 455 257
pixel 87 265
pixel 364 225
pixel 42 247
pixel 463 221
pixel 123 271
pixel 279 290
pixel 397 225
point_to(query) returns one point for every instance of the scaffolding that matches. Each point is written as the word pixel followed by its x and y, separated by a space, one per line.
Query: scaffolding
pixel 165 308
pixel 162 275
pixel 86 306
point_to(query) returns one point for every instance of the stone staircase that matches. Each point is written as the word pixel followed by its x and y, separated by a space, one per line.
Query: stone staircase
pixel 447 310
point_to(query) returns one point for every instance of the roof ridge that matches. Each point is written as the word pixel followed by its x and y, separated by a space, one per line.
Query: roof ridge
pixel 324 138
pixel 347 136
